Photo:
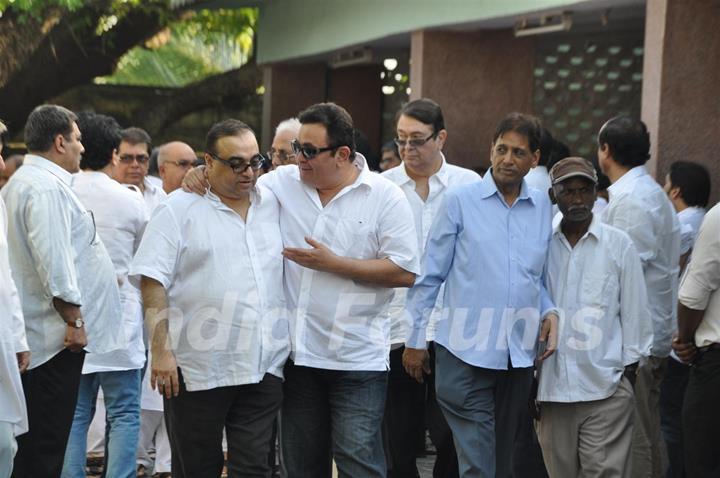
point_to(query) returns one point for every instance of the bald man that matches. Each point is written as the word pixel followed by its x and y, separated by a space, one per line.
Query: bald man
pixel 280 152
pixel 12 163
pixel 174 160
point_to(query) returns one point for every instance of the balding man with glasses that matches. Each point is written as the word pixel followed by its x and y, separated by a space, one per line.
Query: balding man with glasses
pixel 212 269
pixel 281 151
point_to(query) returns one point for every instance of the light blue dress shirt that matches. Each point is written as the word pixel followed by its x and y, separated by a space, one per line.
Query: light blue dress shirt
pixel 491 258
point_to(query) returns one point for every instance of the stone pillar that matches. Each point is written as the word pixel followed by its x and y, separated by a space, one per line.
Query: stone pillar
pixel 289 89
pixel 477 78
pixel 681 85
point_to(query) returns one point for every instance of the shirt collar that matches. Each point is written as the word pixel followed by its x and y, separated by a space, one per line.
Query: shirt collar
pixel 255 198
pixel 626 180
pixel 595 228
pixel 359 162
pixel 488 188
pixel 690 212
pixel 49 166
pixel 441 174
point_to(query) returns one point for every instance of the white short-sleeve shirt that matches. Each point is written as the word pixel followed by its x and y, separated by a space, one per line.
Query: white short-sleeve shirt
pixel 339 323
pixel 223 279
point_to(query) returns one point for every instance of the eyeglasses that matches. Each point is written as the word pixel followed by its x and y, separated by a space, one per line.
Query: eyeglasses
pixel 129 158
pixel 239 165
pixel 283 156
pixel 413 143
pixel 309 152
pixel 182 163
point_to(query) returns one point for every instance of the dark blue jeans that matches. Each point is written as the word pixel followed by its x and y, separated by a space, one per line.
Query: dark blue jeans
pixel 330 414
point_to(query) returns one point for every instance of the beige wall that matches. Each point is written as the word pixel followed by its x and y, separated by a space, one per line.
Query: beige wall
pixel 477 78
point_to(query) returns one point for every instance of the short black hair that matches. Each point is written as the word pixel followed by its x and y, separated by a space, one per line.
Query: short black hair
pixel 3 133
pixel 425 111
pixel 693 180
pixel 523 124
pixel 100 136
pixel 559 151
pixel 44 124
pixel 628 140
pixel 546 145
pixel 134 135
pixel 337 122
pixel 222 129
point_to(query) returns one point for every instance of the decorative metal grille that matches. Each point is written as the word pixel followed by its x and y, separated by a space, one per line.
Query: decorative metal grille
pixel 579 83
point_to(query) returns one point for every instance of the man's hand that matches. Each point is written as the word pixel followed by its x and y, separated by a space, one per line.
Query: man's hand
pixel 23 360
pixel 416 362
pixel 319 258
pixel 548 335
pixel 195 181
pixel 164 376
pixel 75 338
pixel 685 351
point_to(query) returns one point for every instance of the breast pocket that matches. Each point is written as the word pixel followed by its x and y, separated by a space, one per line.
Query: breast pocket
pixel 597 288
pixel 354 237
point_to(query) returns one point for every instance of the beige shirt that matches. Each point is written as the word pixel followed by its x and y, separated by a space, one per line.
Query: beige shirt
pixel 700 287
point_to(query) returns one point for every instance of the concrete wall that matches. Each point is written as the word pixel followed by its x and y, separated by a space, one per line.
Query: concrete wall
pixel 681 89
pixel 288 90
pixel 478 78
pixel 291 29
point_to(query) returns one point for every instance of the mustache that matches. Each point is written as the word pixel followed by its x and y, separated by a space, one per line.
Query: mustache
pixel 579 209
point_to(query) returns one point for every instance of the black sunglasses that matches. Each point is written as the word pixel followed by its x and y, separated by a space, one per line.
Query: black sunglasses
pixel 239 165
pixel 309 152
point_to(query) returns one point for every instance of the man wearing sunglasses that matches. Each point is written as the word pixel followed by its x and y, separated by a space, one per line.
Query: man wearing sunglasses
pixel 349 240
pixel 134 153
pixel 175 159
pixel 211 268
pixel 424 176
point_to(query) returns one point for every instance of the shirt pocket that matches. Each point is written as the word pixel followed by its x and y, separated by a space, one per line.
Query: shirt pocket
pixel 596 288
pixel 354 238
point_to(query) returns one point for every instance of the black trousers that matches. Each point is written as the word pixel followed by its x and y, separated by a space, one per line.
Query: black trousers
pixel 672 394
pixel 701 417
pixel 195 422
pixel 51 392
pixel 410 407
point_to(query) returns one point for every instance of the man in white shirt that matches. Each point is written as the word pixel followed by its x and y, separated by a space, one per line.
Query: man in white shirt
pixel 424 176
pixel 211 270
pixel 698 343
pixel 595 278
pixel 538 176
pixel 174 159
pixel 120 218
pixel 639 206
pixel 362 244
pixel 64 277
pixel 14 351
pixel 134 154
pixel 687 184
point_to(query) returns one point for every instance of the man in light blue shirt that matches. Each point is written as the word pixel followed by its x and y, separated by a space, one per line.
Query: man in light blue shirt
pixel 488 245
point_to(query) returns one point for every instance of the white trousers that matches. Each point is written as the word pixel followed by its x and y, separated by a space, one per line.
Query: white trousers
pixel 8 448
pixel 153 430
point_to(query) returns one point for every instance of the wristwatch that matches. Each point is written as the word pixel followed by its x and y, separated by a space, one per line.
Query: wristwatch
pixel 77 323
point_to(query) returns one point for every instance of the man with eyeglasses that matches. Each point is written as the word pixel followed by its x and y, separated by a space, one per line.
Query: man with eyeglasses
pixel 175 159
pixel 349 240
pixel 487 246
pixel 424 176
pixel 281 151
pixel 65 279
pixel 134 153
pixel 120 217
pixel 211 272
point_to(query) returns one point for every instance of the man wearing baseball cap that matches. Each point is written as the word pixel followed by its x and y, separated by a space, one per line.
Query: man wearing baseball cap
pixel 595 278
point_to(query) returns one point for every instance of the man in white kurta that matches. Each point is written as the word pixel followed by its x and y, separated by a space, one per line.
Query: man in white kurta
pixel 14 352
pixel 65 280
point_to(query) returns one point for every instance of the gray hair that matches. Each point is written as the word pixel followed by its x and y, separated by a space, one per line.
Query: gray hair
pixel 290 124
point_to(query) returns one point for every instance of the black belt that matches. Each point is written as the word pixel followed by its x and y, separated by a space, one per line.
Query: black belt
pixel 711 347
